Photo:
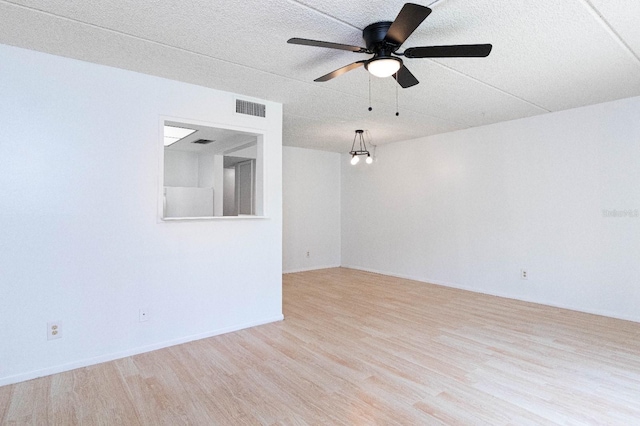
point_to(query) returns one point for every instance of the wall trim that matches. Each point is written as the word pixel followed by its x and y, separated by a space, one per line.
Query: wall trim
pixel 313 268
pixel 136 351
pixel 602 313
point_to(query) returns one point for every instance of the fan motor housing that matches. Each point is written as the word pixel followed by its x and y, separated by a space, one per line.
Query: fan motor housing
pixel 374 35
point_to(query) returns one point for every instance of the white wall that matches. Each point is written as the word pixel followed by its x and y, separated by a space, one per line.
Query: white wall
pixel 182 168
pixel 470 209
pixel 206 170
pixel 311 215
pixel 79 231
pixel 189 184
pixel 187 202
pixel 229 192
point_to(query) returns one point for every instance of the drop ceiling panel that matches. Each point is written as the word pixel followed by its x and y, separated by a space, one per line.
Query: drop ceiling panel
pixel 359 13
pixel 554 54
pixel 622 16
pixel 248 32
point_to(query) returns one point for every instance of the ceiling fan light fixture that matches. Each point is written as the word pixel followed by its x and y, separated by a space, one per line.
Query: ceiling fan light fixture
pixel 383 66
pixel 384 38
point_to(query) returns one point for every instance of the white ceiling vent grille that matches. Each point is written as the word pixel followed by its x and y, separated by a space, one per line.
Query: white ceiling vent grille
pixel 250 108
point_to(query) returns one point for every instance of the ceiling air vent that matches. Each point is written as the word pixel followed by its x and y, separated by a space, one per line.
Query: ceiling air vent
pixel 202 141
pixel 250 108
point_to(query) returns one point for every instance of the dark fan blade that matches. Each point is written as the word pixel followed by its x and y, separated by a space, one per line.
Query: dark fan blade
pixel 456 51
pixel 340 71
pixel 330 45
pixel 405 78
pixel 410 16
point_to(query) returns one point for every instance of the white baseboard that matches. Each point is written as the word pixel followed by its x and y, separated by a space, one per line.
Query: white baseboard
pixel 135 351
pixel 312 268
pixel 602 313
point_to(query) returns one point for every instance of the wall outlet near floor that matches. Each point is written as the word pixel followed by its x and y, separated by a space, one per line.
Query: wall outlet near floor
pixel 308 253
pixel 54 330
pixel 524 274
pixel 143 315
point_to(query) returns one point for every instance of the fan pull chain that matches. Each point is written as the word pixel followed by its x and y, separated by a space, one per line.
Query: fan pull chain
pixel 397 112
pixel 370 109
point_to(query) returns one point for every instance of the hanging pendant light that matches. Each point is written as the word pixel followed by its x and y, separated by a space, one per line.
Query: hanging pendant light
pixel 356 153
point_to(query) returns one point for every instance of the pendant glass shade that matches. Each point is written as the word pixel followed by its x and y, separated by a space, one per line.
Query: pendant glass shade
pixel 383 67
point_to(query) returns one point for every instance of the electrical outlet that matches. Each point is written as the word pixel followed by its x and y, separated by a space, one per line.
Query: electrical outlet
pixel 143 315
pixel 524 274
pixel 308 253
pixel 54 330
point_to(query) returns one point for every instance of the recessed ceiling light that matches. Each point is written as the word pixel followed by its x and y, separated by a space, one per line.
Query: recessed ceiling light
pixel 173 134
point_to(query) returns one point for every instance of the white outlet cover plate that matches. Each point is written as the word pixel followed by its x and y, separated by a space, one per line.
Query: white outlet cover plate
pixel 54 330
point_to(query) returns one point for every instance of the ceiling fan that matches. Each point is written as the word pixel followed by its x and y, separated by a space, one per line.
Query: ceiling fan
pixel 383 39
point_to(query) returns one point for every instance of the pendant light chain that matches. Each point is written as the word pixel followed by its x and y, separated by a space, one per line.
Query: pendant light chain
pixel 370 93
pixel 397 95
pixel 397 112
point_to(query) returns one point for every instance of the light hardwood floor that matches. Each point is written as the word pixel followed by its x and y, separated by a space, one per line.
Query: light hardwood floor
pixel 361 348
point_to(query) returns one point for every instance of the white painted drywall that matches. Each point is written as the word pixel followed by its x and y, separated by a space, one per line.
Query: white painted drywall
pixel 229 192
pixel 81 241
pixel 181 168
pixel 206 170
pixel 187 201
pixel 188 178
pixel 470 209
pixel 248 152
pixel 311 194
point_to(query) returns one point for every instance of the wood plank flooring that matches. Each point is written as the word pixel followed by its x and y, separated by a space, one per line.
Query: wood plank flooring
pixel 361 348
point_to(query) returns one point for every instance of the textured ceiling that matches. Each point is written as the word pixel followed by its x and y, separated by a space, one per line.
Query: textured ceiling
pixel 547 56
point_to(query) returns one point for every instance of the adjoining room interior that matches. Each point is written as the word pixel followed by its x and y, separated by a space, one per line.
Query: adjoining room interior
pixel 194 164
pixel 186 237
